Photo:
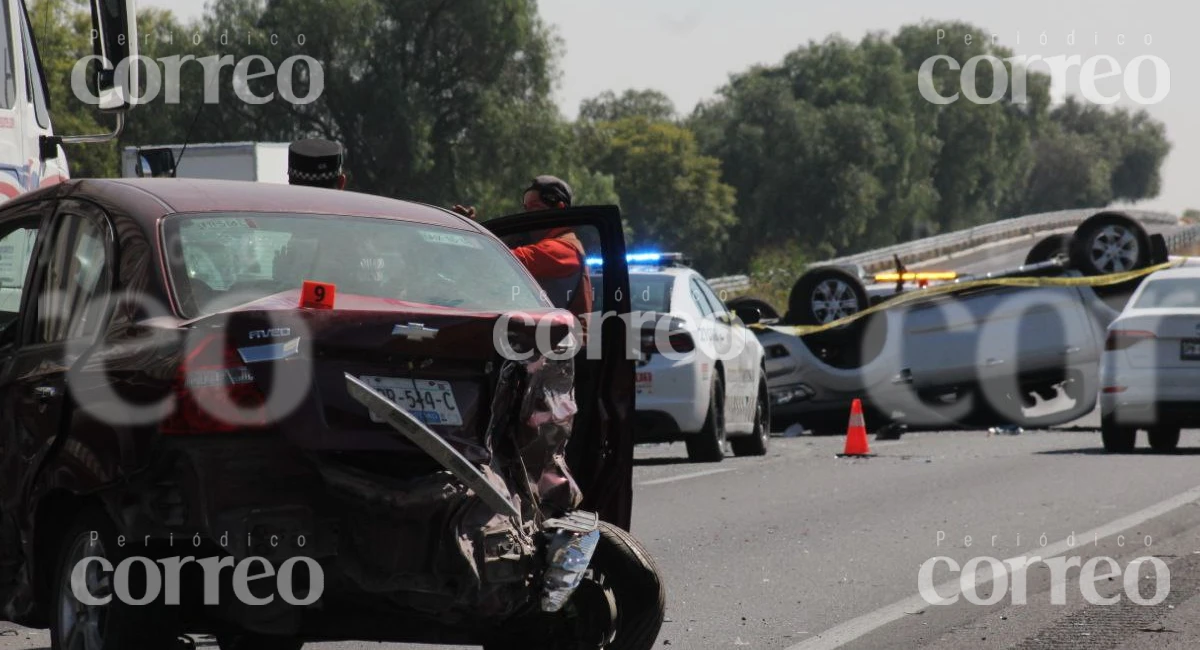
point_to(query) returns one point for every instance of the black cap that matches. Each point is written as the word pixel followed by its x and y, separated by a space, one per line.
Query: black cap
pixel 315 162
pixel 552 190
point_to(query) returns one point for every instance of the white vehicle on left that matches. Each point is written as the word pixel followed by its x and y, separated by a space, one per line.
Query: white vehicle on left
pixel 701 377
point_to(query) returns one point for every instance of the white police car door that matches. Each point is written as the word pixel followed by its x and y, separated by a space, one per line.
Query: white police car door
pixel 729 345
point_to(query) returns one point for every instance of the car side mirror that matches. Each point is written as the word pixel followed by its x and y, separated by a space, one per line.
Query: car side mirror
pixel 115 44
pixel 156 163
pixel 748 315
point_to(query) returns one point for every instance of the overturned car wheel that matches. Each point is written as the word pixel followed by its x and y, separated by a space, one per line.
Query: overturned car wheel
pixel 1110 242
pixel 620 605
pixel 1049 248
pixel 763 307
pixel 824 295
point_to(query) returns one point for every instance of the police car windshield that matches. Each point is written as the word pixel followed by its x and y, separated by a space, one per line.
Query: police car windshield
pixel 648 292
pixel 1180 293
pixel 223 260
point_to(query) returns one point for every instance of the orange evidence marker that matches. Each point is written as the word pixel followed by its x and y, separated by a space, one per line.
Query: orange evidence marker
pixel 317 295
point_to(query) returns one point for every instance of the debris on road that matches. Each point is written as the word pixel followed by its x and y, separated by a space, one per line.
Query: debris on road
pixel 1005 430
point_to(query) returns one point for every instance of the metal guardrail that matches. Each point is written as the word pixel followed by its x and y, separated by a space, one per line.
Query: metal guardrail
pixel 931 247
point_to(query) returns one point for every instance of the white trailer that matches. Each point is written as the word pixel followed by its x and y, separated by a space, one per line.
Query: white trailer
pixel 264 162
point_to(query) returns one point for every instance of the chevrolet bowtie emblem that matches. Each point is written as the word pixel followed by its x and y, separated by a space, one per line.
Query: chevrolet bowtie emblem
pixel 414 331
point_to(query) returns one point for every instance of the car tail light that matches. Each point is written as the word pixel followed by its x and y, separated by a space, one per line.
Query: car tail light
pixel 1121 339
pixel 205 381
pixel 1110 390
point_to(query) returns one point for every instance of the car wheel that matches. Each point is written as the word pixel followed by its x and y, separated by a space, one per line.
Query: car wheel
pixel 756 444
pixel 622 584
pixel 768 312
pixel 251 641
pixel 1109 243
pixel 1049 248
pixel 825 295
pixel 115 625
pixel 1163 439
pixel 1117 439
pixel 708 445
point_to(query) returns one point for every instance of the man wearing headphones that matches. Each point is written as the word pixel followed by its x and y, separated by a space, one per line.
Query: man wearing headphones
pixel 558 261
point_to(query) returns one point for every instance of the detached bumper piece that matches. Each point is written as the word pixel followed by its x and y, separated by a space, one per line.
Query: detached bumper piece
pixel 571 543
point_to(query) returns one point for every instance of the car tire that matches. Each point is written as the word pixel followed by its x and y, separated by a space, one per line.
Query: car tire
pixel 629 573
pixel 1109 242
pixel 251 641
pixel 824 295
pixel 116 625
pixel 1117 439
pixel 708 444
pixel 1163 439
pixel 768 312
pixel 758 442
pixel 1049 248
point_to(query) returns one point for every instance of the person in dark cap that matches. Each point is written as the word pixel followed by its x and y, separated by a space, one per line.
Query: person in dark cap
pixel 558 261
pixel 316 163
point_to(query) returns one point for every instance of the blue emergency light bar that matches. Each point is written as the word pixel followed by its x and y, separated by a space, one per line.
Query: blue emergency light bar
pixel 644 259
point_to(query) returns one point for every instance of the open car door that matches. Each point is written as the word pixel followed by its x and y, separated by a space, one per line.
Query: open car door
pixel 600 452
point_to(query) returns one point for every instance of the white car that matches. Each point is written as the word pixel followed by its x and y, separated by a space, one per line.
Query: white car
pixel 1150 371
pixel 701 377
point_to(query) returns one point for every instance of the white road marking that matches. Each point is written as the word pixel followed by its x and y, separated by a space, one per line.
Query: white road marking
pixel 684 477
pixel 859 627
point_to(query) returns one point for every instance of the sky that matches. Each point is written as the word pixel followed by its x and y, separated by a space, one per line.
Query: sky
pixel 688 48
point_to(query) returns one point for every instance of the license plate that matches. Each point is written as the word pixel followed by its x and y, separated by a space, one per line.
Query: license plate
pixel 1189 350
pixel 645 383
pixel 429 400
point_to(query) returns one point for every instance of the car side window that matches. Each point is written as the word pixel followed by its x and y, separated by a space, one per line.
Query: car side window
pixel 74 286
pixel 718 307
pixel 16 253
pixel 701 301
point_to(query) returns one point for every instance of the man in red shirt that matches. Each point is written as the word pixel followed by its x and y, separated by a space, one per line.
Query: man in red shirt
pixel 558 261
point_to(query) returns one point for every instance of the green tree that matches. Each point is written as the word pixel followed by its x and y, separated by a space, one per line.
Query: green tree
pixel 610 107
pixel 671 195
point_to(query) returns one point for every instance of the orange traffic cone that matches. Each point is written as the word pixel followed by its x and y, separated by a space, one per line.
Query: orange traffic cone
pixel 856 432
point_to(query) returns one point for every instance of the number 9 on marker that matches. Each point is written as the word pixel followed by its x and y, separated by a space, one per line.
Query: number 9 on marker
pixel 317 295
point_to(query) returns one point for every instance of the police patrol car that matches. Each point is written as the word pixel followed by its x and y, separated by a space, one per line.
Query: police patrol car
pixel 700 378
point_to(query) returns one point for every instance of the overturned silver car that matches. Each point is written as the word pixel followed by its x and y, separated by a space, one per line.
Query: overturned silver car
pixel 1020 346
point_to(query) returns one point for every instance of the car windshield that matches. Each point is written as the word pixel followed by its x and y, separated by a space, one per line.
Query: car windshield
pixel 1170 293
pixel 222 260
pixel 647 292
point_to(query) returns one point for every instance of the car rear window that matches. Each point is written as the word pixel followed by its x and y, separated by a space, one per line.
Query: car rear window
pixel 647 292
pixel 1170 292
pixel 223 260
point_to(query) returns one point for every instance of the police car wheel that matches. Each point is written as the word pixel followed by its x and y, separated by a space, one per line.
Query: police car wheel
pixel 756 443
pixel 708 444
pixel 1109 242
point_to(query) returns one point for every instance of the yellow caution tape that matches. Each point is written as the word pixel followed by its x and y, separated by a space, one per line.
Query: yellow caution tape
pixel 924 294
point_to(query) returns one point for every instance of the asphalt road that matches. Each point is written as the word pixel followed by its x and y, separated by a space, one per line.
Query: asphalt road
pixel 776 552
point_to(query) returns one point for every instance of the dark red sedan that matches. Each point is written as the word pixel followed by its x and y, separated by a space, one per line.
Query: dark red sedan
pixel 186 376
